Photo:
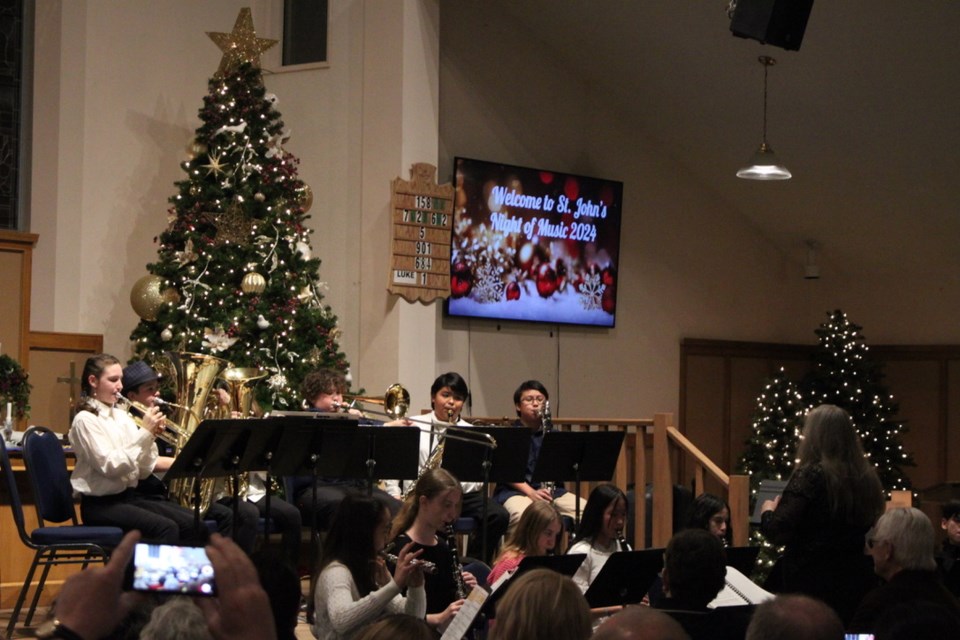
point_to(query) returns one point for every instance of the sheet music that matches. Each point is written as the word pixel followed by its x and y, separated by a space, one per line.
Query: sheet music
pixel 739 590
pixel 461 622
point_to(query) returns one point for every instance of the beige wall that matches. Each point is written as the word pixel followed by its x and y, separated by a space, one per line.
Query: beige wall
pixel 117 91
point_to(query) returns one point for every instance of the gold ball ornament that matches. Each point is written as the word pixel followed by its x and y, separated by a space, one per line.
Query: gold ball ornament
pixel 305 197
pixel 253 283
pixel 145 297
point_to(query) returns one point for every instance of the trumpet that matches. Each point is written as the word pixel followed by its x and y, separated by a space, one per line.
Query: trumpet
pixel 137 410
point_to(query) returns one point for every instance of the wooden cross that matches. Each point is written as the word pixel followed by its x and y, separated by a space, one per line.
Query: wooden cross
pixel 72 381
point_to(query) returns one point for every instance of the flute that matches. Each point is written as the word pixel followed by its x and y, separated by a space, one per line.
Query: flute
pixel 426 565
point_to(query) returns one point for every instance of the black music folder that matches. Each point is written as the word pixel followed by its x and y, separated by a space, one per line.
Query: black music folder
pixel 566 565
pixel 625 578
pixel 742 559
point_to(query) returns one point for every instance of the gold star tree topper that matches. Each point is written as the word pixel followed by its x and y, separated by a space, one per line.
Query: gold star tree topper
pixel 241 45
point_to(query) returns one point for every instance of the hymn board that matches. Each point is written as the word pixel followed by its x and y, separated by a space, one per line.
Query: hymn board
pixel 421 224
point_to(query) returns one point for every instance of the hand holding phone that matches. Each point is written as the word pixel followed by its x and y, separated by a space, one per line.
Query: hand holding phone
pixel 171 569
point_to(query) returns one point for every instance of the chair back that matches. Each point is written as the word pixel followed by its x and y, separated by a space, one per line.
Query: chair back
pixel 16 506
pixel 47 468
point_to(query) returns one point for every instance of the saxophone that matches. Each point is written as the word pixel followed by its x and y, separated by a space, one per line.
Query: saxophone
pixel 546 423
pixel 434 460
pixel 451 540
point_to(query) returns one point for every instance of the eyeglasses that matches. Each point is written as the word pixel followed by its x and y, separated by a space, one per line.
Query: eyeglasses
pixel 532 400
pixel 871 542
pixel 955 517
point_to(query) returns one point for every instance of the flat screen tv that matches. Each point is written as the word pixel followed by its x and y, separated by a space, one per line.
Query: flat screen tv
pixel 534 245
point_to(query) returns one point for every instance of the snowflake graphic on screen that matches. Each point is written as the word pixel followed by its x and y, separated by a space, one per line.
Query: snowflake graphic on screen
pixel 489 285
pixel 591 291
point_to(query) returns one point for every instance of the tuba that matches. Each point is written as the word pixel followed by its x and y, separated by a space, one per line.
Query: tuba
pixel 239 381
pixel 193 376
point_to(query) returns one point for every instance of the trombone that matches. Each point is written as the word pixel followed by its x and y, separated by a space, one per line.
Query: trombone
pixel 395 402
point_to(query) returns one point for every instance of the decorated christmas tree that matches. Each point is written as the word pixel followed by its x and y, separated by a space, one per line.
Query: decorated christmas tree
pixel 771 449
pixel 234 275
pixel 844 374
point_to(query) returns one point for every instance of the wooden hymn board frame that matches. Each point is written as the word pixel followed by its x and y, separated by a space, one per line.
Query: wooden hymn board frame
pixel 420 239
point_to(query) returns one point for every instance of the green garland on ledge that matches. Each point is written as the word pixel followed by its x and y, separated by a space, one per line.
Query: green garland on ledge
pixel 14 388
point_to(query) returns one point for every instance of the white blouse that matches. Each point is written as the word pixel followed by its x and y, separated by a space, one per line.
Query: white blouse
pixel 113 453
pixel 596 558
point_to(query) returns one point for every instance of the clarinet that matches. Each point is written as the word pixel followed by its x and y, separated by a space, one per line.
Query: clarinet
pixel 622 541
pixel 458 582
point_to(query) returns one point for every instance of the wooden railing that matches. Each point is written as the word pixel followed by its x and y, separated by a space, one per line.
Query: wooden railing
pixel 656 436
pixel 737 486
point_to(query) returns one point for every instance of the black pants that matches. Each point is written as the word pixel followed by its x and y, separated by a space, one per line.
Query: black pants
pixel 496 524
pixel 244 529
pixel 329 497
pixel 158 520
pixel 287 518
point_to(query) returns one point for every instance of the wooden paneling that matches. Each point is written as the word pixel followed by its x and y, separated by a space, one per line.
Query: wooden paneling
pixel 16 258
pixel 721 380
pixel 51 357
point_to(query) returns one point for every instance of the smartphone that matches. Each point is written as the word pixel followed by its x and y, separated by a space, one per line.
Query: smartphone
pixel 170 569
pixel 858 636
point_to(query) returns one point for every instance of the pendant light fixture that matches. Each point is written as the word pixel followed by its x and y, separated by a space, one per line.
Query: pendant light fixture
pixel 764 165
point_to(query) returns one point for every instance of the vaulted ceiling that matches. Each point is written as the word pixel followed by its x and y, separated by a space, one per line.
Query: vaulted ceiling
pixel 866 115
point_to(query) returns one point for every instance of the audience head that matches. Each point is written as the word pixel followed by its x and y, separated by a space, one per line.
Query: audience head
pixel 694 568
pixel 357 533
pixel 323 389
pixel 710 513
pixel 176 619
pixel 537 531
pixel 397 626
pixel 950 522
pixel 436 496
pixel 640 623
pixel 902 539
pixel 794 617
pixel 605 513
pixel 528 400
pixel 542 604
pixel 282 584
pixel 917 619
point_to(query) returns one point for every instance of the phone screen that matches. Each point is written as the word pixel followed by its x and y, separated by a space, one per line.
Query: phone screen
pixel 166 568
pixel 858 636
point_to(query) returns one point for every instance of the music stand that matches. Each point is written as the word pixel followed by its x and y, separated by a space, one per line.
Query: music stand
pixel 625 578
pixel 213 450
pixel 505 463
pixel 577 456
pixel 376 452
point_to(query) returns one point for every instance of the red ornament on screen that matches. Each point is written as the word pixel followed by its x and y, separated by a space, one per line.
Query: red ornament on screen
pixel 461 281
pixel 513 291
pixel 609 277
pixel 571 188
pixel 546 177
pixel 608 301
pixel 546 281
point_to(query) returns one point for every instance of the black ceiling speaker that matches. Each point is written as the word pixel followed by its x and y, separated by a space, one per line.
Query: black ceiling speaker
pixel 780 23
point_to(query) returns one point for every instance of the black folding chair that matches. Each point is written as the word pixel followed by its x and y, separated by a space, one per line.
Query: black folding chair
pixel 53 545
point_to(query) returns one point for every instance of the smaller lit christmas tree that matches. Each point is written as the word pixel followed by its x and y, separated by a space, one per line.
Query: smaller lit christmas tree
pixel 771 450
pixel 845 375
